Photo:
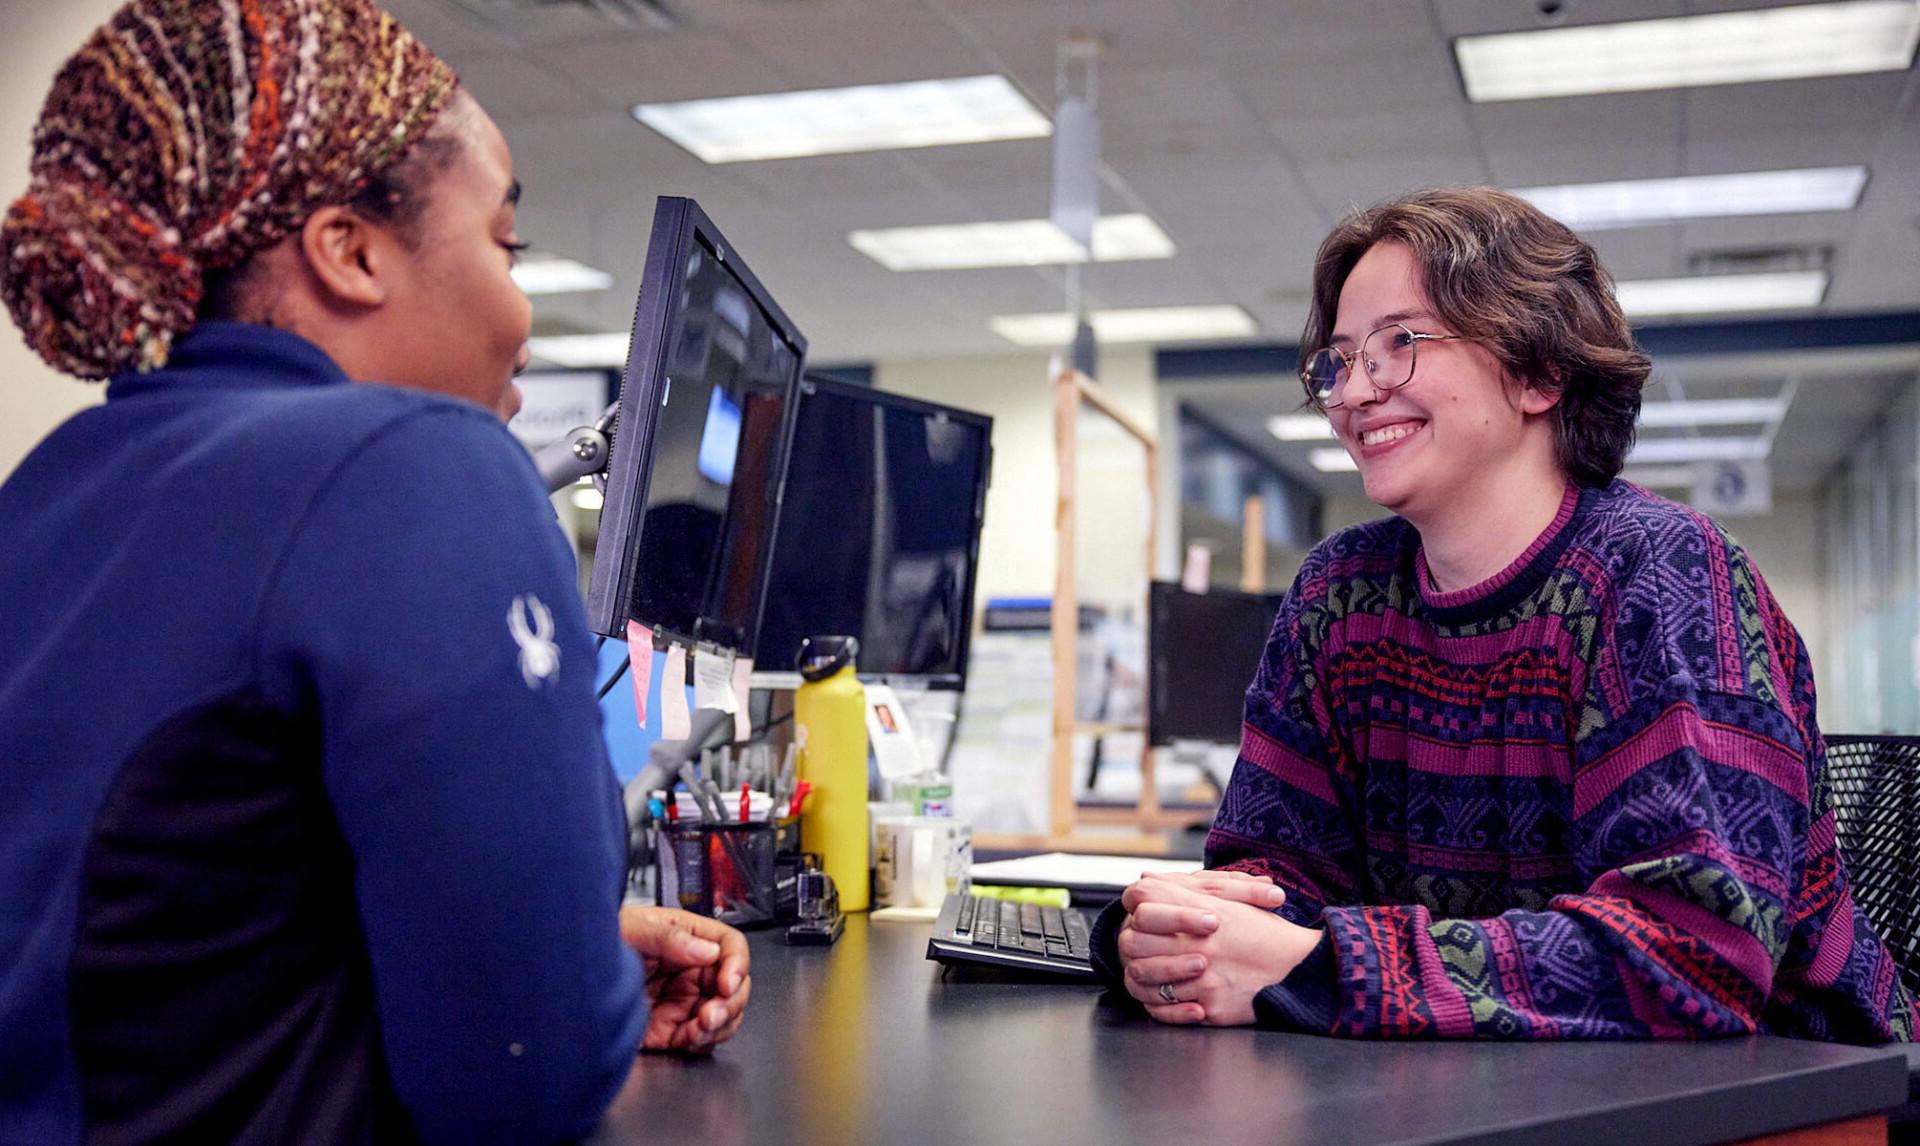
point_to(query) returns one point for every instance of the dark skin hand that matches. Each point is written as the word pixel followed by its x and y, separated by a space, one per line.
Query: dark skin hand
pixel 697 977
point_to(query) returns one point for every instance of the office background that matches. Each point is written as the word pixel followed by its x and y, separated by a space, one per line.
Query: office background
pixel 1242 128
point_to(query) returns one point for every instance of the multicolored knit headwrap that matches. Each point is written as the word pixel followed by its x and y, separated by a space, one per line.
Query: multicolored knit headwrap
pixel 185 136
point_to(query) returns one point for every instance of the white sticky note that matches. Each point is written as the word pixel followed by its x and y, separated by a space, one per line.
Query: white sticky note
pixel 676 723
pixel 713 680
pixel 640 664
pixel 742 719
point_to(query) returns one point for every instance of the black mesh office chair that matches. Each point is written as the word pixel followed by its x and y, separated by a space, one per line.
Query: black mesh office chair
pixel 1875 783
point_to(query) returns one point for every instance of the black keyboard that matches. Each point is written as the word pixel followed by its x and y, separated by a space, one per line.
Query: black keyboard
pixel 1002 933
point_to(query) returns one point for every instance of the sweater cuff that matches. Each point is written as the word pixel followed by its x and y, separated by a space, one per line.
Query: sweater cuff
pixel 1307 999
pixel 1104 944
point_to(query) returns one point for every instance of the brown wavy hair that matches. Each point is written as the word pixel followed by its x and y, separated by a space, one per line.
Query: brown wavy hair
pixel 1502 272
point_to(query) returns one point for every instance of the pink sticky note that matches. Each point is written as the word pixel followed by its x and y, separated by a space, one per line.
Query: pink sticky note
pixel 1198 570
pixel 640 664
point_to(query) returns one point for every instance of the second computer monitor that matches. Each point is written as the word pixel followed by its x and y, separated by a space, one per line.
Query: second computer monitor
pixel 1202 651
pixel 879 532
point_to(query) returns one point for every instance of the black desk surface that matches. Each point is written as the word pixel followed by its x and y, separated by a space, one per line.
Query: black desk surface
pixel 867 1042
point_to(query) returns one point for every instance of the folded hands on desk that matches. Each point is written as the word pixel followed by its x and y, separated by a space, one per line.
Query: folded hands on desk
pixel 1196 948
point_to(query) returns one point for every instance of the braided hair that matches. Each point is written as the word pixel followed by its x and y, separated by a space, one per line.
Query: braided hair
pixel 186 136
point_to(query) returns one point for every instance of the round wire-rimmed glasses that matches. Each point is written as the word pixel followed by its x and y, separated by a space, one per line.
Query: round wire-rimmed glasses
pixel 1387 353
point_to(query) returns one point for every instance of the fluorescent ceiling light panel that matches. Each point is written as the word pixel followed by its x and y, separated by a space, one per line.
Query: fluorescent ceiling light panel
pixel 1641 202
pixel 1669 450
pixel 1333 461
pixel 1020 243
pixel 831 121
pixel 1806 40
pixel 1122 238
pixel 1722 294
pixel 1150 324
pixel 1714 412
pixel 1023 243
pixel 582 351
pixel 1300 427
pixel 551 274
pixel 1717 294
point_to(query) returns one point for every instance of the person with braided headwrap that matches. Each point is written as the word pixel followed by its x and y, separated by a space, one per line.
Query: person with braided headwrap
pixel 282 885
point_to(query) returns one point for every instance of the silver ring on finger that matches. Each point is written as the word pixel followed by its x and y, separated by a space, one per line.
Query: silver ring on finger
pixel 1166 992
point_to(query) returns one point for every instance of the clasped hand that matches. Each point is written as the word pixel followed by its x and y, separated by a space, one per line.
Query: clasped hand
pixel 697 977
pixel 1197 948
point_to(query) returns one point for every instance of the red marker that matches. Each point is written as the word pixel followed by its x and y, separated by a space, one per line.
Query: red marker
pixel 745 801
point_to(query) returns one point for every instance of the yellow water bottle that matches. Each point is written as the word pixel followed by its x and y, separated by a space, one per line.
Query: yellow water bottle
pixel 830 726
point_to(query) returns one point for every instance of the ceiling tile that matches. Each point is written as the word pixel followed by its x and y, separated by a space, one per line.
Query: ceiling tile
pixel 692 63
pixel 1479 17
pixel 1612 120
pixel 1844 103
pixel 1825 228
pixel 588 148
pixel 1777 150
pixel 892 47
pixel 512 87
pixel 520 26
pixel 1362 182
pixel 1640 252
pixel 1574 163
pixel 1442 126
pixel 444 27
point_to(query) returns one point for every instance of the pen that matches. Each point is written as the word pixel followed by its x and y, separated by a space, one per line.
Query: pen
pixel 783 786
pixel 694 789
pixel 746 801
pixel 710 803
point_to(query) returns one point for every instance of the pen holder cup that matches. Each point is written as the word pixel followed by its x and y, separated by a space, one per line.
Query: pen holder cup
pixel 725 871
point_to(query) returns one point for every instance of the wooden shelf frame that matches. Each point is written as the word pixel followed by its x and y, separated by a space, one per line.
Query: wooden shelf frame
pixel 1073 391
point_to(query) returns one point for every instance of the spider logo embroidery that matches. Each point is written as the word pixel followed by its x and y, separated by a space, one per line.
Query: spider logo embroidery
pixel 531 623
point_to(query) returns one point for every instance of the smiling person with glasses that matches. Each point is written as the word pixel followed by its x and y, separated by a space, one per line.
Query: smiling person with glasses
pixel 1535 757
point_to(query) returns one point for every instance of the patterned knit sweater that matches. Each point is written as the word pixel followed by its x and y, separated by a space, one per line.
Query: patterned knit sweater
pixel 1585 798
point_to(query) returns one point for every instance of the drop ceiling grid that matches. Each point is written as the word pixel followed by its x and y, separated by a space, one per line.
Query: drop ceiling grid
pixel 1242 125
pixel 694 62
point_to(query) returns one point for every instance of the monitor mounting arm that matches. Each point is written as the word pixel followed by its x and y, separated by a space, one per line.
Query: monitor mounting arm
pixel 581 452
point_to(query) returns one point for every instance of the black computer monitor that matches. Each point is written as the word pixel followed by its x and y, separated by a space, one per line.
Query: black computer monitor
pixel 1202 650
pixel 879 532
pixel 700 447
